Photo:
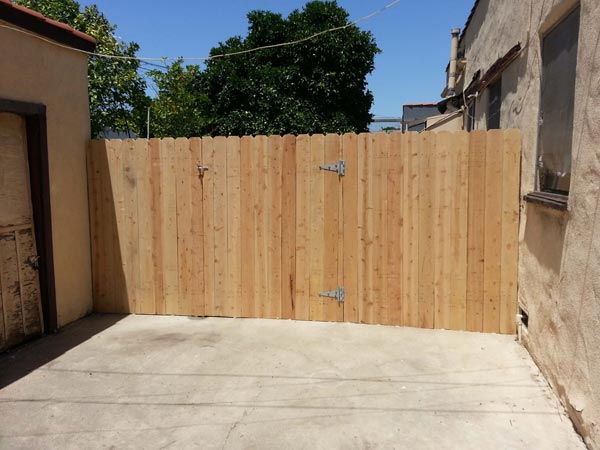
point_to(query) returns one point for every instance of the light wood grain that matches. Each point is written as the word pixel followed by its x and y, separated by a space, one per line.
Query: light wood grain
pixel 458 273
pixel 248 173
pixel 220 230
pixel 493 232
pixel 197 231
pixel 156 168
pixel 145 293
pixel 208 217
pixel 393 244
pixel 318 306
pixel 184 174
pixel 444 230
pixel 365 217
pixel 351 230
pixel 115 242
pixel 288 227
pixel 262 221
pixel 232 205
pixel 273 231
pixel 476 230
pixel 410 230
pixel 511 168
pixel 303 220
pixel 331 309
pixel 129 215
pixel 427 209
pixel 421 231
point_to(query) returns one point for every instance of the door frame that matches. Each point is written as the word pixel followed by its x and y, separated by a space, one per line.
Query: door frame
pixel 39 180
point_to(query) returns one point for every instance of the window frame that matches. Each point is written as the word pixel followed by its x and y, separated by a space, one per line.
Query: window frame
pixel 548 197
pixel 496 83
pixel 470 111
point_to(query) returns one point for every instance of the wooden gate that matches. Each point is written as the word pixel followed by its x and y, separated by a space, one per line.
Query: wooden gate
pixel 421 230
pixel 20 302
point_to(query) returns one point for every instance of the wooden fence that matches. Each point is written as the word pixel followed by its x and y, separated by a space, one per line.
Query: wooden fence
pixel 420 231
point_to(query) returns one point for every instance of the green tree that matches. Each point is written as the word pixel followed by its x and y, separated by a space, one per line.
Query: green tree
pixel 117 91
pixel 180 108
pixel 314 86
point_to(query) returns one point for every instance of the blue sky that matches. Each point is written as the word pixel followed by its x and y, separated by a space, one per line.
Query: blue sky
pixel 414 36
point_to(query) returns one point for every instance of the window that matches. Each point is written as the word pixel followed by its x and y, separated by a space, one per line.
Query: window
pixel 494 103
pixel 559 60
pixel 470 119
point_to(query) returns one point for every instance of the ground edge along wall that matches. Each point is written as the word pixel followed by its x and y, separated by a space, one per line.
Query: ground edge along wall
pixel 421 230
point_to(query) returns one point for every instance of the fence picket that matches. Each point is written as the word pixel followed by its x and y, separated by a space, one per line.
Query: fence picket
pixel 410 230
pixel 247 224
pixel 303 219
pixel 208 209
pixel 427 207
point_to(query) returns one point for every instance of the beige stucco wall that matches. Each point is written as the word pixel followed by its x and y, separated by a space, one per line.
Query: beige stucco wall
pixel 559 266
pixel 36 71
pixel 445 122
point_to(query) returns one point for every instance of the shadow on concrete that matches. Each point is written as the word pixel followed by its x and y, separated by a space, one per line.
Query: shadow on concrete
pixel 22 360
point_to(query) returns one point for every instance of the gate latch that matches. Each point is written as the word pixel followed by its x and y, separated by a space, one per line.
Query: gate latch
pixel 339 294
pixel 201 169
pixel 340 168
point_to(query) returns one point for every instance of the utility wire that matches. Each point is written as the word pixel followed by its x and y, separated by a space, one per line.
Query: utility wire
pixel 208 58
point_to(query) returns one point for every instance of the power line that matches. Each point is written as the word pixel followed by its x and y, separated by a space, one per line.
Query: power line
pixel 208 58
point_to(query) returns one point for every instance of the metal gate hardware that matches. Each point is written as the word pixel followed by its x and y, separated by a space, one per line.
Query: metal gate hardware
pixel 339 294
pixel 201 169
pixel 340 168
pixel 34 262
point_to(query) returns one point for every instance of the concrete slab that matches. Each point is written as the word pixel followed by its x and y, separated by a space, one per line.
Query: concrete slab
pixel 142 382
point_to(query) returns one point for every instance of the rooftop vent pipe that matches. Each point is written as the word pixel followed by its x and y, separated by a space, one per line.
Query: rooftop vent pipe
pixel 453 57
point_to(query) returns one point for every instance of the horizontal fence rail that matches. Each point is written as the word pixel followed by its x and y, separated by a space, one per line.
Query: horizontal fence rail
pixel 402 229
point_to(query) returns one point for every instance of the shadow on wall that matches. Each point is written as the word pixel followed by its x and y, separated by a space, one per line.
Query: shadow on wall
pixel 23 360
pixel 545 236
pixel 477 19
pixel 513 79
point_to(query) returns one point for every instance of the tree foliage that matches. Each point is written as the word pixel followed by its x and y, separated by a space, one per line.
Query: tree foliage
pixel 312 87
pixel 180 108
pixel 117 91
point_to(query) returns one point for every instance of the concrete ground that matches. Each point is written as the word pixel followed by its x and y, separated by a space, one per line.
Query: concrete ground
pixel 142 382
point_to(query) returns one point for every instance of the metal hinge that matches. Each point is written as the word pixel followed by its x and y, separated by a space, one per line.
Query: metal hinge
pixel 340 168
pixel 339 294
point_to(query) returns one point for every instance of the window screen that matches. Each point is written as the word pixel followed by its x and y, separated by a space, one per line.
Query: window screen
pixel 494 102
pixel 559 60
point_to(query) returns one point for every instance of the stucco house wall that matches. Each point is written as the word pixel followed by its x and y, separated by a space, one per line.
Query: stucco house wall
pixel 39 72
pixel 445 122
pixel 559 258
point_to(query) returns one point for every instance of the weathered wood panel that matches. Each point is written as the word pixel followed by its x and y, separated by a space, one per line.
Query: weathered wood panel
pixel 421 231
pixel 30 284
pixel 20 297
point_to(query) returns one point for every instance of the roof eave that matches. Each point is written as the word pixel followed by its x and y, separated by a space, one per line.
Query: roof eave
pixel 35 22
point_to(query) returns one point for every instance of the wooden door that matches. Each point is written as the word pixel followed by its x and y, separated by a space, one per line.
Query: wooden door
pixel 326 227
pixel 20 303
